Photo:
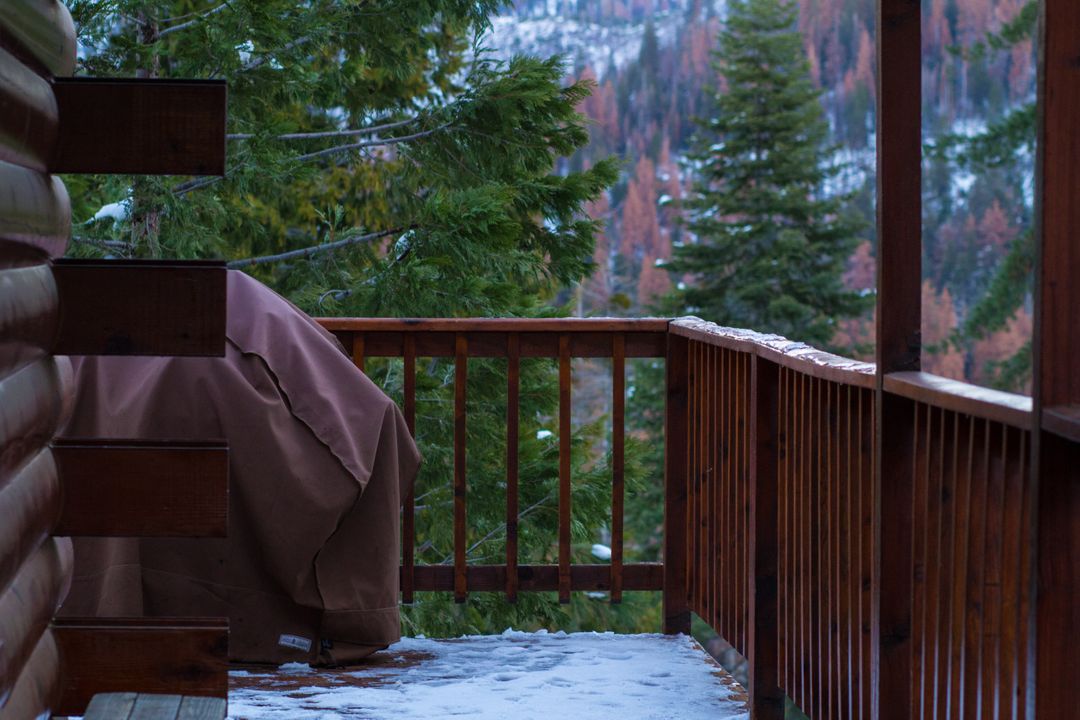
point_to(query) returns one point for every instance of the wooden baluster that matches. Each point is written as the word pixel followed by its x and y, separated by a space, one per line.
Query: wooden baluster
pixel 618 449
pixel 676 611
pixel 460 516
pixel 564 468
pixel 358 350
pixel 513 390
pixel 408 524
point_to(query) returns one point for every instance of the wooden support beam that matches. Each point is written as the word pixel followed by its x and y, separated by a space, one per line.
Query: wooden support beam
pixel 766 697
pixel 676 603
pixel 151 655
pixel 28 125
pixel 141 307
pixel 128 488
pixel 140 127
pixel 1055 662
pixel 34 211
pixel 539 578
pixel 899 310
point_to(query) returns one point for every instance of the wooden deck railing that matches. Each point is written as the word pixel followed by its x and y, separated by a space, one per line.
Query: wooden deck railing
pixel 774 507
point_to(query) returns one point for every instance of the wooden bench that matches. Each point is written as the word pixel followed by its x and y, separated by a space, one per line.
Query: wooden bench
pixel 136 706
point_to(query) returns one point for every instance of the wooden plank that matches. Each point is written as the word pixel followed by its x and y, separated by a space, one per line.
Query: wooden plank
pixel 519 325
pixel 513 391
pixel 491 343
pixel 1062 420
pixel 898 342
pixel 110 706
pixel 565 444
pixel 34 402
pixel 144 655
pixel 766 697
pixel 540 578
pixel 28 125
pixel 155 707
pixel 118 488
pixel 141 307
pixel 408 523
pixel 34 211
pixel 358 350
pixel 962 397
pixel 675 609
pixel 28 604
pixel 38 688
pixel 140 126
pixel 43 30
pixel 29 315
pixel 202 708
pixel 29 506
pixel 460 515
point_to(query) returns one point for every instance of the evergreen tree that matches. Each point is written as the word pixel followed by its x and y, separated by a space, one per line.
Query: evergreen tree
pixel 380 163
pixel 770 243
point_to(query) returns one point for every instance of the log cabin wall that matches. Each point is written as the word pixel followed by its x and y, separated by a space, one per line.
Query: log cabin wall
pixel 50 307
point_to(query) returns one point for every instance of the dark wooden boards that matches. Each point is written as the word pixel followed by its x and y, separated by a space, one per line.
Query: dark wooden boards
pixel 145 655
pixel 962 397
pixel 117 488
pixel 676 607
pixel 493 343
pixel 141 307
pixel 538 578
pixel 140 127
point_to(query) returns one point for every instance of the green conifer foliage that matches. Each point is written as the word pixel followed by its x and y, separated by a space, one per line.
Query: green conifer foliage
pixel 770 243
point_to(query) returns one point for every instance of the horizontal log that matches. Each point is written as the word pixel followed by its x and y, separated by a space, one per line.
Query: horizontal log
pixel 29 603
pixel 533 578
pixel 28 115
pixel 1062 420
pixel 40 31
pixel 34 209
pixel 790 354
pixel 594 344
pixel 116 488
pixel 34 402
pixel 37 691
pixel 145 655
pixel 961 397
pixel 132 307
pixel 29 508
pixel 456 325
pixel 29 315
pixel 140 127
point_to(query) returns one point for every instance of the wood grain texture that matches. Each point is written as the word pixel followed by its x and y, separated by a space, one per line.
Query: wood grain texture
pixel 961 397
pixel 27 605
pixel 29 123
pixel 34 402
pixel 29 506
pixel 140 127
pixel 513 393
pixel 43 29
pixel 38 688
pixel 34 210
pixel 131 307
pixel 675 608
pixel 29 315
pixel 145 656
pixel 618 461
pixel 493 343
pixel 408 517
pixel 540 578
pixel 110 706
pixel 113 488
pixel 488 325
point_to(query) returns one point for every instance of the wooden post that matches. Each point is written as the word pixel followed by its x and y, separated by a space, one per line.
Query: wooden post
pixel 1056 436
pixel 899 309
pixel 766 697
pixel 676 608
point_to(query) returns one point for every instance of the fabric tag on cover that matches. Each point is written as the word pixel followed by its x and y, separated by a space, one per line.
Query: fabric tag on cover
pixel 295 641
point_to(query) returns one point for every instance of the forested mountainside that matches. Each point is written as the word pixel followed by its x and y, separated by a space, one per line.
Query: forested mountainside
pixel 651 60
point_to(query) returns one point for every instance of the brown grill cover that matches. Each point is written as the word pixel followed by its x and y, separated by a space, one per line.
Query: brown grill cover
pixel 319 460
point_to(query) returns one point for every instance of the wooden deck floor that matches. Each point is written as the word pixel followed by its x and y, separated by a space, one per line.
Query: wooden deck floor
pixel 514 675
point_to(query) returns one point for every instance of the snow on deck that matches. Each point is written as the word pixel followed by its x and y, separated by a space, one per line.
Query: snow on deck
pixel 526 676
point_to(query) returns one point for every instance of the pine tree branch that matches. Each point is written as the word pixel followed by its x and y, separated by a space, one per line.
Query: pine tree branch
pixel 194 21
pixel 315 249
pixel 371 143
pixel 263 59
pixel 330 133
pixel 103 243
